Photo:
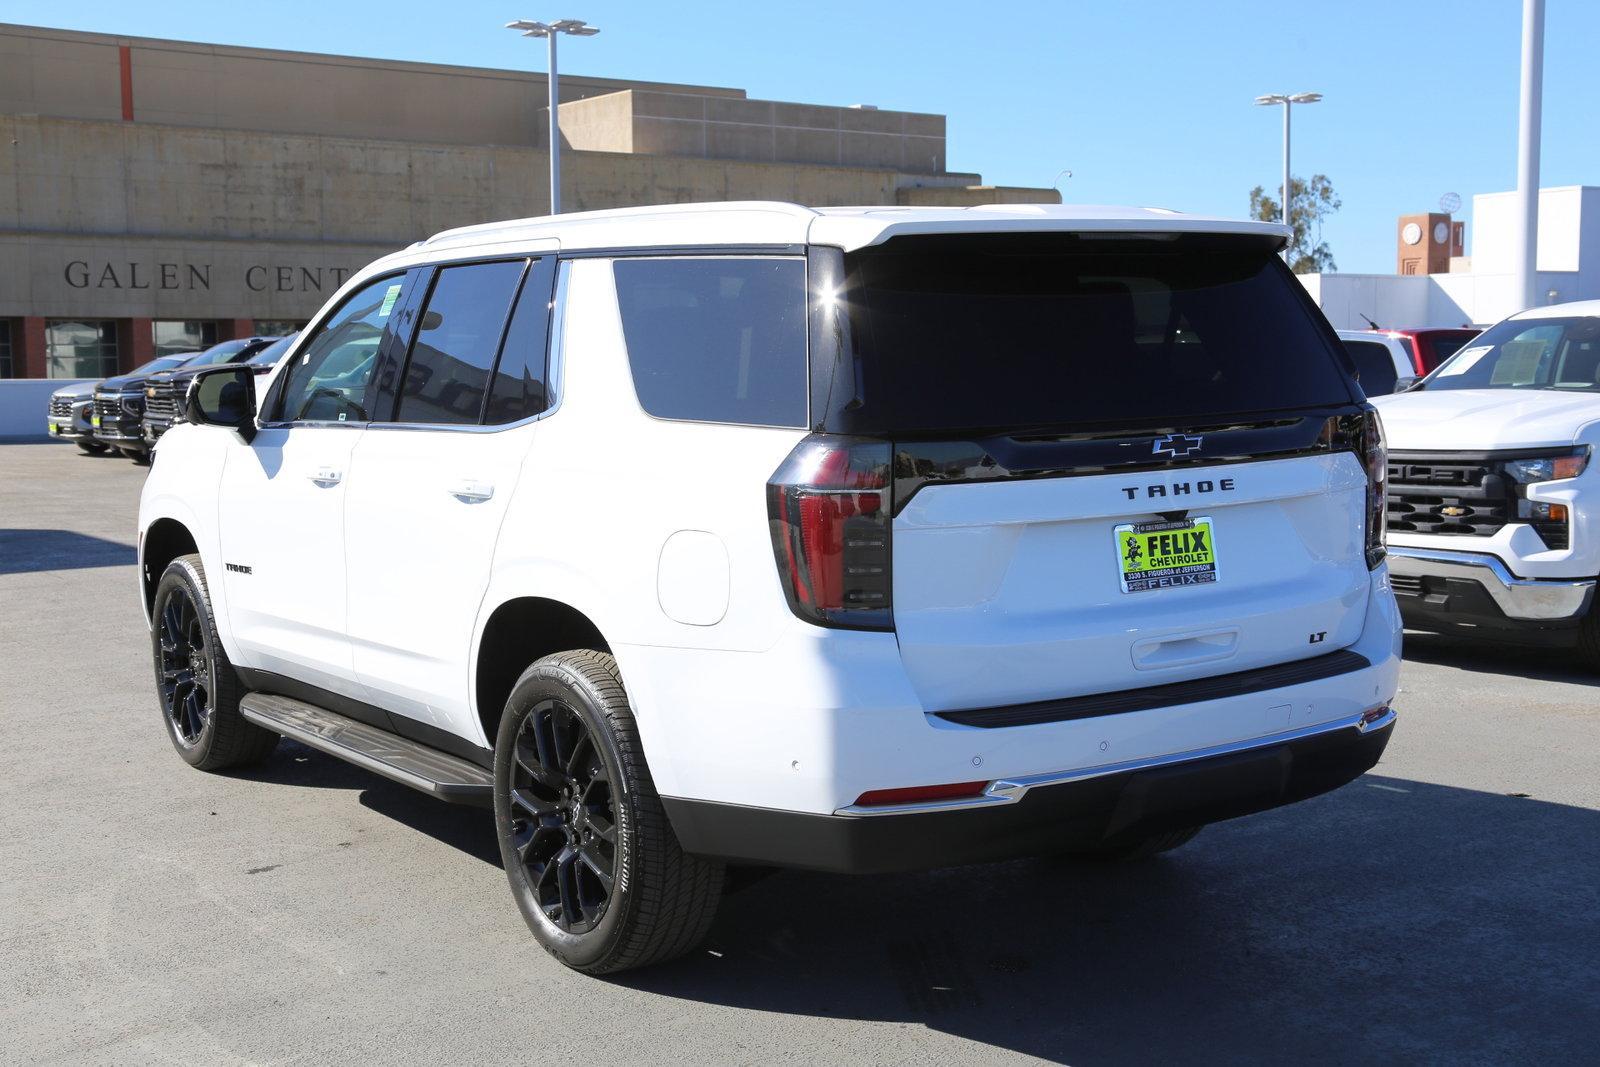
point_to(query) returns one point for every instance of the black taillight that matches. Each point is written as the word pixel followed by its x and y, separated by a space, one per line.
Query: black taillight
pixel 1363 435
pixel 829 507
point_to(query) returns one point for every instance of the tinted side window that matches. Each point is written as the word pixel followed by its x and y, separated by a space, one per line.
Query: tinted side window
pixel 717 340
pixel 447 373
pixel 1374 364
pixel 518 391
pixel 328 380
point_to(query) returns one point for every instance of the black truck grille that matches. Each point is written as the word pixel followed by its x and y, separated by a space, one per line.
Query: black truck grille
pixel 162 405
pixel 108 407
pixel 1464 497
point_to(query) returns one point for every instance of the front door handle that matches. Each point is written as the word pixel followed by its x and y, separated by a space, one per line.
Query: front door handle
pixel 472 492
pixel 327 476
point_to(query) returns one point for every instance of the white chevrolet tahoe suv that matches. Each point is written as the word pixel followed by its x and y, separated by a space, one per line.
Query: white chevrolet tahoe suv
pixel 1494 498
pixel 750 535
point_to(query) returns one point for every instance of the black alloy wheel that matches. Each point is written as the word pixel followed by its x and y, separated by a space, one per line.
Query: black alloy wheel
pixel 563 818
pixel 185 667
pixel 588 850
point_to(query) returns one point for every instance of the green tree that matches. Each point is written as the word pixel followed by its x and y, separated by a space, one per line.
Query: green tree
pixel 1309 205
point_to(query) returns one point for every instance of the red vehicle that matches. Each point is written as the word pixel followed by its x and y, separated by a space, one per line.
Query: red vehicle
pixel 1430 347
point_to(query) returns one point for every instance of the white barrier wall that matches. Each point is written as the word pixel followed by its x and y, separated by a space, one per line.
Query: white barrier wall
pixel 23 404
pixel 1410 301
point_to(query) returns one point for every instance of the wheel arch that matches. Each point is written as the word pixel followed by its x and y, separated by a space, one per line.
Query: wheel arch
pixel 518 632
pixel 164 541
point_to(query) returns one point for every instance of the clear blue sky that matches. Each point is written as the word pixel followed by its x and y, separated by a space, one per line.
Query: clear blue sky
pixel 1147 103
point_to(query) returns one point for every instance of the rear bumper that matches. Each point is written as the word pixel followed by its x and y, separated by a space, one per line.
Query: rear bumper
pixel 1441 590
pixel 1086 808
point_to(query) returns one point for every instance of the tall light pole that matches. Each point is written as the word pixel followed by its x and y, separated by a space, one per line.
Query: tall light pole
pixel 1526 279
pixel 550 31
pixel 1288 100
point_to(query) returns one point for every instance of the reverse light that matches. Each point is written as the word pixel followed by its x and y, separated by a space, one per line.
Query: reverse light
pixel 918 794
pixel 1363 435
pixel 829 509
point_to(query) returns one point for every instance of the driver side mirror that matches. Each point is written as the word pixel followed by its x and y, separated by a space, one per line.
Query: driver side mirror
pixel 225 396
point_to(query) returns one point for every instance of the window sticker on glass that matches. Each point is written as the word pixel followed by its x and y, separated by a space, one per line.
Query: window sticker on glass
pixel 389 297
pixel 1464 361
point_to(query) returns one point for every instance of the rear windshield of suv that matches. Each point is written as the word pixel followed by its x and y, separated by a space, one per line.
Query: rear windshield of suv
pixel 1058 331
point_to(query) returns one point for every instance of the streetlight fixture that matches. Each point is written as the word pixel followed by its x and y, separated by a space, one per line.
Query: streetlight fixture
pixel 1288 100
pixel 550 31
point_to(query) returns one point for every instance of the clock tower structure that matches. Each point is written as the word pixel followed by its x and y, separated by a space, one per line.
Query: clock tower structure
pixel 1424 243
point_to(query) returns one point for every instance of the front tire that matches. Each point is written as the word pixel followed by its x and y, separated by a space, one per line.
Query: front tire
pixel 93 448
pixel 592 861
pixel 195 684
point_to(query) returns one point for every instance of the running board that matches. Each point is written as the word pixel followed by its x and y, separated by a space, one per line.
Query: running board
pixel 405 761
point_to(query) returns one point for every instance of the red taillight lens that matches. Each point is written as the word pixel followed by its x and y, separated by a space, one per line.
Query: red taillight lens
pixel 918 794
pixel 829 511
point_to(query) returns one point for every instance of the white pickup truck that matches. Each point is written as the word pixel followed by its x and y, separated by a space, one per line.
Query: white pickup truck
pixel 1493 495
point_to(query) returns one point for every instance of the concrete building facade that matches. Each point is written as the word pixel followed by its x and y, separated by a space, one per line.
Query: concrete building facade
pixel 159 195
pixel 1479 289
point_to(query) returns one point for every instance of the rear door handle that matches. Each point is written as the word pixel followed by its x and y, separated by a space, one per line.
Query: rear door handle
pixel 472 492
pixel 326 476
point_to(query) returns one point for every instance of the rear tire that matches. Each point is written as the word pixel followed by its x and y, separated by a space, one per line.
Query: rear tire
pixel 196 686
pixel 1142 848
pixel 592 861
pixel 1589 638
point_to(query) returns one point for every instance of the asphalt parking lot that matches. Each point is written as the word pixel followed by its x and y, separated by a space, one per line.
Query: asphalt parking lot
pixel 1443 908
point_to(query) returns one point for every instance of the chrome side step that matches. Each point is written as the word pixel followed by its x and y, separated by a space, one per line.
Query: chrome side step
pixel 405 761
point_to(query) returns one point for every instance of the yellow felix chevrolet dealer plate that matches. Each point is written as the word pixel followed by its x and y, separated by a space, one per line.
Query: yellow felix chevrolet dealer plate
pixel 1164 555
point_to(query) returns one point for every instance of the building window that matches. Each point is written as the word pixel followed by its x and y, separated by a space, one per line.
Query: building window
pixel 7 370
pixel 77 349
pixel 173 338
pixel 277 327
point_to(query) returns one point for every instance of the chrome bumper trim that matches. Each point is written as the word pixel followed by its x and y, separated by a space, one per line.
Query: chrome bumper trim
pixel 1011 790
pixel 1547 599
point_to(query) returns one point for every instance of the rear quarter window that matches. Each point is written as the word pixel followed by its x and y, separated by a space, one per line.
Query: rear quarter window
pixel 716 339
pixel 1374 365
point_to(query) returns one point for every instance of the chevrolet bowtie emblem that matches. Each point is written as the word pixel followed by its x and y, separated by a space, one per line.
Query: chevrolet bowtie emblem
pixel 1176 445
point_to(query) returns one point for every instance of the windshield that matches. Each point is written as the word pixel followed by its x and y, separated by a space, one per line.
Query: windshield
pixel 1442 345
pixel 218 353
pixel 160 363
pixel 273 352
pixel 1008 333
pixel 1542 353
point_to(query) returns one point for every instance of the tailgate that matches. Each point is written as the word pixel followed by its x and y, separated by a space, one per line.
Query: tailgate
pixel 1013 591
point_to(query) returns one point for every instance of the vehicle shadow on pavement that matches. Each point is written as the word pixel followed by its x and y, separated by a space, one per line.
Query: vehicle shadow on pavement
pixel 1390 921
pixel 466 828
pixel 1493 657
pixel 27 551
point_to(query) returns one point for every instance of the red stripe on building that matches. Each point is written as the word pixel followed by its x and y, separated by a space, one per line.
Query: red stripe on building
pixel 125 56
